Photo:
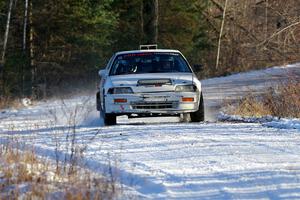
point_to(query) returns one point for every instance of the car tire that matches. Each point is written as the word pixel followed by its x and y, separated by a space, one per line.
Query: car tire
pixel 98 103
pixel 198 116
pixel 110 119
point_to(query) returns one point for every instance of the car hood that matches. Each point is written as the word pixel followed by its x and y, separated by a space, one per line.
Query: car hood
pixel 167 81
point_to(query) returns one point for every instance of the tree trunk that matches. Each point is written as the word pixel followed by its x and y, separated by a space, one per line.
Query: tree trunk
pixel 150 16
pixel 31 35
pixel 28 71
pixel 221 33
pixel 142 22
pixel 155 24
pixel 25 25
pixel 6 31
pixel 25 52
pixel 31 49
pixel 266 20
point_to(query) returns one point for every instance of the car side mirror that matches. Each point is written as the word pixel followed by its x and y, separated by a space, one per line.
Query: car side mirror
pixel 102 72
pixel 198 67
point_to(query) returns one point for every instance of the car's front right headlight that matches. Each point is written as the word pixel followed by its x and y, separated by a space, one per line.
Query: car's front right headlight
pixel 120 90
pixel 185 88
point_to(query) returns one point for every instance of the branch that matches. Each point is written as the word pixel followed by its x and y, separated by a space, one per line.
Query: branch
pixel 205 15
pixel 277 33
pixel 218 5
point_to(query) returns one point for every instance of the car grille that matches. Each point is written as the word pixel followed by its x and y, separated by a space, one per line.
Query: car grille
pixel 154 105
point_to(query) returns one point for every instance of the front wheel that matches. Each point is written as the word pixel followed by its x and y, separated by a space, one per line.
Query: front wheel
pixel 110 119
pixel 198 116
pixel 98 103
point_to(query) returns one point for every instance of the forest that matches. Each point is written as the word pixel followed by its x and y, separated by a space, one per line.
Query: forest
pixel 53 45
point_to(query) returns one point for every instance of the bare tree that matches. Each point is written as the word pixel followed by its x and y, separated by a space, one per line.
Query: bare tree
pixel 142 22
pixel 155 24
pixel 31 32
pixel 221 33
pixel 266 20
pixel 25 25
pixel 31 66
pixel 7 30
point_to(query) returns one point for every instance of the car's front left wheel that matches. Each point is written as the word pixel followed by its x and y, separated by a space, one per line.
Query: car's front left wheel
pixel 98 103
pixel 110 119
pixel 198 116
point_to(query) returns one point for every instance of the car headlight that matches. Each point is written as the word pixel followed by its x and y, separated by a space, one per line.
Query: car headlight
pixel 185 88
pixel 120 90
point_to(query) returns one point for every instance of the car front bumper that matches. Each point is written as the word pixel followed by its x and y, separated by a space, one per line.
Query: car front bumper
pixel 158 103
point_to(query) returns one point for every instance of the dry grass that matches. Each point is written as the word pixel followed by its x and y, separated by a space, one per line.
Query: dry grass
pixel 8 102
pixel 26 176
pixel 280 101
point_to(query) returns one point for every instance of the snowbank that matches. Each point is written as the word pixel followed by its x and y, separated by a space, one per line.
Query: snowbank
pixel 269 121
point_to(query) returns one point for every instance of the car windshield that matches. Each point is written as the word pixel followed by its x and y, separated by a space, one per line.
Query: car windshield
pixel 149 62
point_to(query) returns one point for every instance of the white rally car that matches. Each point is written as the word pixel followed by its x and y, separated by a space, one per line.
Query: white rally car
pixel 149 83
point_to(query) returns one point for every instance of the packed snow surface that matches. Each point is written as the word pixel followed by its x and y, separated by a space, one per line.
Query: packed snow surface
pixel 159 158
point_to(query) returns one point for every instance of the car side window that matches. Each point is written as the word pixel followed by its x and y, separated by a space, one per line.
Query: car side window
pixel 110 62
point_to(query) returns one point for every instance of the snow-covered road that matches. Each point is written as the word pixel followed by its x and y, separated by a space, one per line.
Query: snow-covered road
pixel 162 159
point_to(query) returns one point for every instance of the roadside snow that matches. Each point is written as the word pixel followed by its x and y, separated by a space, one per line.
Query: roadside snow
pixel 220 89
pixel 284 123
pixel 269 121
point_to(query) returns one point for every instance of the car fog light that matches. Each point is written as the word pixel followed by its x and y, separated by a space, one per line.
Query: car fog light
pixel 187 99
pixel 120 100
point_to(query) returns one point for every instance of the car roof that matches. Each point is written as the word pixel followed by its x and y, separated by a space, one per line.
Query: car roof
pixel 150 50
